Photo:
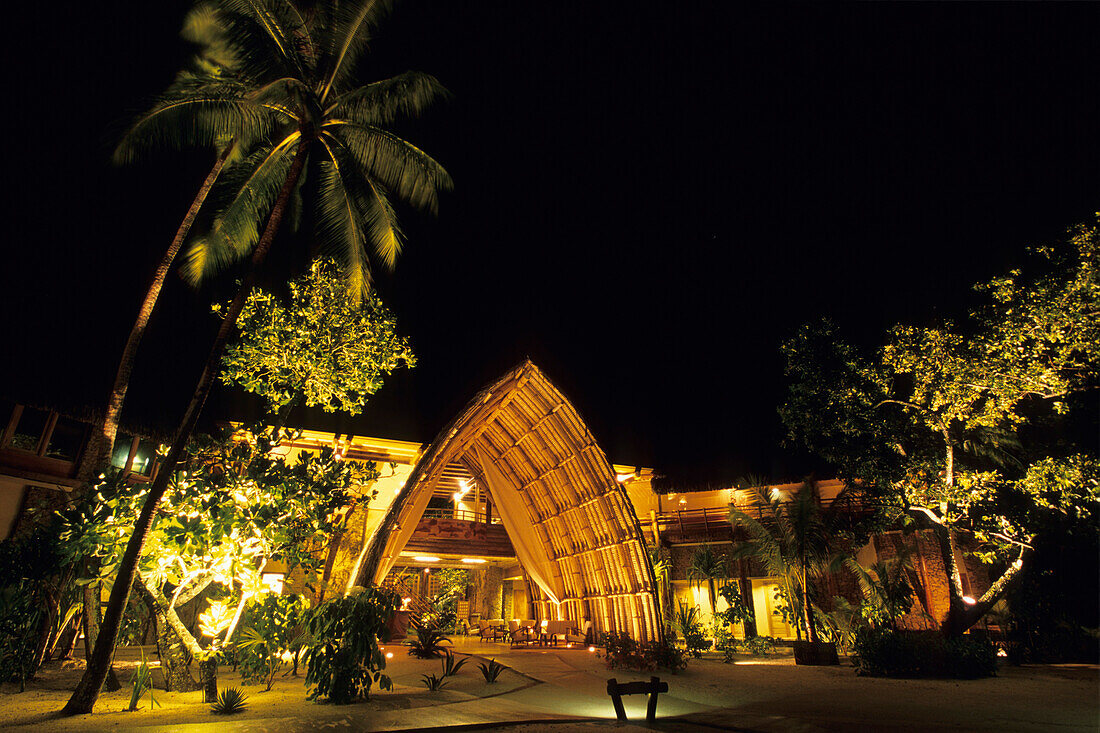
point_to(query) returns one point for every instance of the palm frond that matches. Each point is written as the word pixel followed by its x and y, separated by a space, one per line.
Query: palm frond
pixel 352 24
pixel 383 102
pixel 253 185
pixel 209 118
pixel 340 217
pixel 201 27
pixel 410 173
pixel 261 34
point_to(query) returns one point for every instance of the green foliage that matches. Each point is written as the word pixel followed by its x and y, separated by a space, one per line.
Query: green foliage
pixel 622 652
pixel 491 670
pixel 274 80
pixel 273 626
pixel 709 567
pixel 450 666
pixel 323 344
pixel 795 540
pixel 757 646
pixel 428 643
pixel 887 593
pixel 737 611
pixel 432 682
pixel 20 621
pixel 691 630
pixel 140 682
pixel 34 573
pixel 954 423
pixel 343 657
pixel 841 624
pixel 230 701
pixel 889 653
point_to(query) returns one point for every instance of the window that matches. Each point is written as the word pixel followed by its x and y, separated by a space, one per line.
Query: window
pixel 121 452
pixel 66 439
pixel 144 458
pixel 28 433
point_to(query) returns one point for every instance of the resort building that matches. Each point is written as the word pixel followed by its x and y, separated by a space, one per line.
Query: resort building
pixel 517 492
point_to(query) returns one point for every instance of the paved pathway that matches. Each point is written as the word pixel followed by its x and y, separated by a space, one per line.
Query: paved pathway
pixel 568 692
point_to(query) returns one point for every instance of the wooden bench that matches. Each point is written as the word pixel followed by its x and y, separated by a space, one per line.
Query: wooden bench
pixel 651 688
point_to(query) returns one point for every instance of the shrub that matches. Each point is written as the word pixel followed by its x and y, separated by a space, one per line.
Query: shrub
pixel 450 666
pixel 757 646
pixel 343 657
pixel 888 653
pixel 625 653
pixel 432 682
pixel 271 627
pixel 691 630
pixel 230 701
pixel 491 670
pixel 428 643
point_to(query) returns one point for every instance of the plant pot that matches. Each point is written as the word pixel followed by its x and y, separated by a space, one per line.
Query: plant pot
pixel 816 654
pixel 398 626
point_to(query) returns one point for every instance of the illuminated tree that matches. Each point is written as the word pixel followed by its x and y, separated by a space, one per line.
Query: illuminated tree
pixel 221 521
pixel 947 422
pixel 323 346
pixel 301 70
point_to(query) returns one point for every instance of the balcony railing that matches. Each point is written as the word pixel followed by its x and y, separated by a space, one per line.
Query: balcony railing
pixel 715 520
pixel 462 514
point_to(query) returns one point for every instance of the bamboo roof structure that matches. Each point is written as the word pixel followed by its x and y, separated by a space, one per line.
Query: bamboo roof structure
pixel 525 442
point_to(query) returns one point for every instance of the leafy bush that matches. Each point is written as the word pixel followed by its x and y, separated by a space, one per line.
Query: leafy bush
pixel 343 655
pixel 691 630
pixel 757 646
pixel 491 670
pixel 142 681
pixel 625 653
pixel 450 666
pixel 888 653
pixel 428 643
pixel 272 626
pixel 230 701
pixel 432 682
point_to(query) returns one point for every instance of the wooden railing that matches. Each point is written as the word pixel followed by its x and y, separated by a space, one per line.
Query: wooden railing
pixel 463 514
pixel 714 521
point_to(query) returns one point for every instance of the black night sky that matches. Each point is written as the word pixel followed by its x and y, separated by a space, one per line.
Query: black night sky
pixel 649 199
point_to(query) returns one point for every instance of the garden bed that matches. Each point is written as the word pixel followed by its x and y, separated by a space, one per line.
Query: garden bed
pixel 36 708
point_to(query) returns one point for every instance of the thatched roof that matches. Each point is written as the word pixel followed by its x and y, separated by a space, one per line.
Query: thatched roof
pixel 577 520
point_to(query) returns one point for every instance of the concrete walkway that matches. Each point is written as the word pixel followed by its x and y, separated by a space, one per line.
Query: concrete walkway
pixel 567 692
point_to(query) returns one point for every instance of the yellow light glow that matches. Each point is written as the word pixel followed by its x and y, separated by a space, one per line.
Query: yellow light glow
pixel 591 648
pixel 969 601
pixel 426 558
pixel 473 560
pixel 389 655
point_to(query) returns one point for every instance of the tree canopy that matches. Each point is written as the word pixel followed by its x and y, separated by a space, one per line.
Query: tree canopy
pixel 321 345
pixel 953 422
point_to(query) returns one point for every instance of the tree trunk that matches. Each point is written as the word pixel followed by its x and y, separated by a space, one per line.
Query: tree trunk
pixel 808 609
pixel 92 611
pixel 746 598
pixel 174 661
pixel 102 440
pixel 63 649
pixel 208 678
pixel 84 697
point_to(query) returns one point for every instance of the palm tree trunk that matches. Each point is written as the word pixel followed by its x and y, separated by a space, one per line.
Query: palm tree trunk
pixel 807 610
pixel 87 691
pixel 102 440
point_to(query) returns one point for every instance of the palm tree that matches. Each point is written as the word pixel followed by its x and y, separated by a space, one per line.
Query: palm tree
pixel 225 124
pixel 794 542
pixel 298 67
pixel 707 566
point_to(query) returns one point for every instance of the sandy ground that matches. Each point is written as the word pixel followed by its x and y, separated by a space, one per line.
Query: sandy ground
pixel 36 708
pixel 552 691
